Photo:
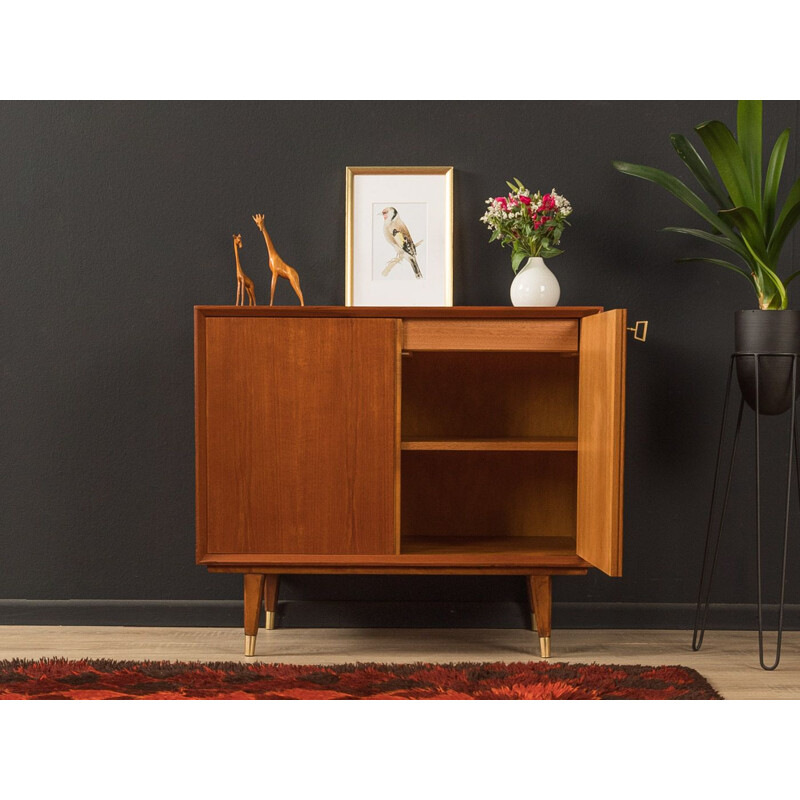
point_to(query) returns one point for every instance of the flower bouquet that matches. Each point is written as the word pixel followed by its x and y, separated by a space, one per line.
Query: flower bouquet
pixel 531 224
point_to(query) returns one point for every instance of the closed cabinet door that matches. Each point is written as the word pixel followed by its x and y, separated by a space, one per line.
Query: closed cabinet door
pixel 601 426
pixel 296 435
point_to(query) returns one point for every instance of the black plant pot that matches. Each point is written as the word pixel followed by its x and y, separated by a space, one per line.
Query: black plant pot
pixel 767 332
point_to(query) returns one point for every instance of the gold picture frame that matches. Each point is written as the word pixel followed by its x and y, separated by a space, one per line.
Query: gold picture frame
pixel 372 276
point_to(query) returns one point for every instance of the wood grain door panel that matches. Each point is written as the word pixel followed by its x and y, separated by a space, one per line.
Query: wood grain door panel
pixel 300 435
pixel 601 426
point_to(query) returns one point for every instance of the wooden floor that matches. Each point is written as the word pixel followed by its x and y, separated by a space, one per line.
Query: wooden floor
pixel 728 659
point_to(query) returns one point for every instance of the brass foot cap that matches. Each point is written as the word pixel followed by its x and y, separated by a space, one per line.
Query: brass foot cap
pixel 249 645
pixel 270 620
pixel 544 646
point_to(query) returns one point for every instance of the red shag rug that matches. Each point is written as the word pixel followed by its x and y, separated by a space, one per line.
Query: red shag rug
pixel 61 679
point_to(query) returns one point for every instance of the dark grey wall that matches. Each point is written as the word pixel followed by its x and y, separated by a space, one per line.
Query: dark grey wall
pixel 117 219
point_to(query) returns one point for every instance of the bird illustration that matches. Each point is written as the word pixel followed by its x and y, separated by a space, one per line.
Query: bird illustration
pixel 396 233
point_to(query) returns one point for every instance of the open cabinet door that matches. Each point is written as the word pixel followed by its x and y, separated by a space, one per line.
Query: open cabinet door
pixel 601 424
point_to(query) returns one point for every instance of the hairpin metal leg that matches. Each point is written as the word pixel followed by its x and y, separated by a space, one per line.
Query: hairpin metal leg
pixel 712 541
pixel 792 447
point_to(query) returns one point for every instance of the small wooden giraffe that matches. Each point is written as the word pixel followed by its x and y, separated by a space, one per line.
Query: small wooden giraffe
pixel 243 283
pixel 277 264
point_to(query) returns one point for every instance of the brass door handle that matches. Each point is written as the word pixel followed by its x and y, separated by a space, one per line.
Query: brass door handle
pixel 639 330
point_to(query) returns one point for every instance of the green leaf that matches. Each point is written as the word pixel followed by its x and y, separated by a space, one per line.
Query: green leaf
pixel 511 186
pixel 780 300
pixel 517 258
pixel 748 129
pixel 712 237
pixel 767 277
pixel 786 221
pixel 746 221
pixel 685 149
pixel 548 251
pixel 728 160
pixel 727 264
pixel 791 278
pixel 773 179
pixel 753 238
pixel 684 194
pixel 777 303
pixel 782 230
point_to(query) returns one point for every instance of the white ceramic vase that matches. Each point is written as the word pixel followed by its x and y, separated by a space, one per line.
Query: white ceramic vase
pixel 535 285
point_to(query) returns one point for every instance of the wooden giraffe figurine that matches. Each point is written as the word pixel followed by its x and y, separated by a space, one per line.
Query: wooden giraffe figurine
pixel 243 283
pixel 277 264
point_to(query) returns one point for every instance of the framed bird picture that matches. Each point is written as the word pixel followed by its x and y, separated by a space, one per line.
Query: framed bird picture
pixel 399 236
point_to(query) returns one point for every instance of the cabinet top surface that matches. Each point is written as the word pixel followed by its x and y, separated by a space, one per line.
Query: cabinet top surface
pixel 419 312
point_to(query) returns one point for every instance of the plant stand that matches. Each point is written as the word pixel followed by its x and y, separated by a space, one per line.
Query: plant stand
pixel 713 536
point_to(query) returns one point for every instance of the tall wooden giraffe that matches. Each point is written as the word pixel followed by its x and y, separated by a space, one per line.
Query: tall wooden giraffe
pixel 243 283
pixel 277 264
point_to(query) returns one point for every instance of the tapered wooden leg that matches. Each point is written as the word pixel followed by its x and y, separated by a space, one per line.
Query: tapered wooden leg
pixel 253 597
pixel 271 599
pixel 530 602
pixel 540 588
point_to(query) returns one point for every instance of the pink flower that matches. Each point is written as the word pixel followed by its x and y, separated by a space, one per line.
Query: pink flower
pixel 525 200
pixel 502 202
pixel 547 204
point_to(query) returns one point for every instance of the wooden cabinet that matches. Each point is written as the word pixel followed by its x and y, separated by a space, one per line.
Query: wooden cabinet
pixel 409 440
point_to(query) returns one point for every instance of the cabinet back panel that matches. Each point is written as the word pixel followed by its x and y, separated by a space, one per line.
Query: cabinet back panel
pixel 486 395
pixel 300 432
pixel 446 493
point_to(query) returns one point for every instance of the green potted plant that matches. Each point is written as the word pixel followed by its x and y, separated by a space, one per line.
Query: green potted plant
pixel 743 216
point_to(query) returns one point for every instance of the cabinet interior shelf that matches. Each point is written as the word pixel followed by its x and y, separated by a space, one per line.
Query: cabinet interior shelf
pixel 534 443
pixel 453 545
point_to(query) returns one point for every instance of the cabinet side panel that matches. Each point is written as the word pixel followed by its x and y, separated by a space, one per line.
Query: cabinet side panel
pixel 601 422
pixel 201 522
pixel 398 427
pixel 300 445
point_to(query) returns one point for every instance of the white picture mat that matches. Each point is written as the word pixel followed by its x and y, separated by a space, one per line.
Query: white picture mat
pixel 415 217
pixel 391 190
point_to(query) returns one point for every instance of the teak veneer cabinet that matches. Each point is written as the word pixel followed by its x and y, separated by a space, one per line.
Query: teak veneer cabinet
pixel 460 440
